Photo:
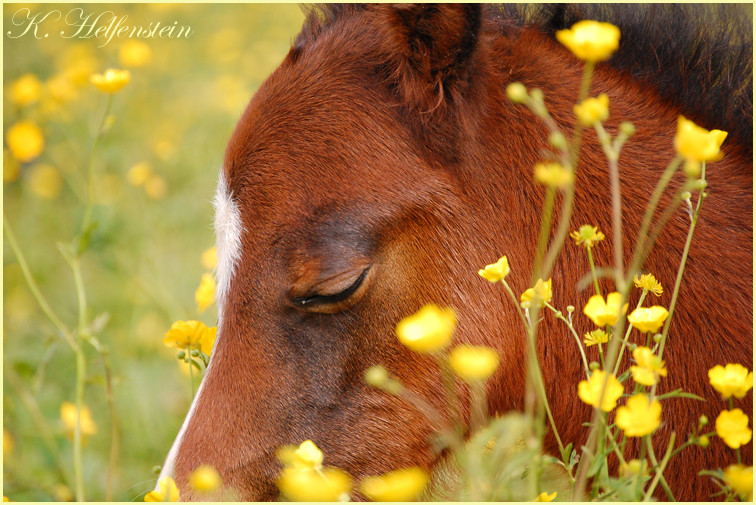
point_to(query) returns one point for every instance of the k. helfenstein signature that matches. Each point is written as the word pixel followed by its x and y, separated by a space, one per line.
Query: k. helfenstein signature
pixel 80 24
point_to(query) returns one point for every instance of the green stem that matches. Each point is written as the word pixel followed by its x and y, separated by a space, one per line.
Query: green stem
pixel 191 369
pixel 681 268
pixel 659 468
pixel 593 270
pixel 38 296
pixel 574 334
pixel 612 156
pixel 517 305
pixel 478 405
pixel 90 169
pixel 543 233
pixel 627 335
pixel 81 366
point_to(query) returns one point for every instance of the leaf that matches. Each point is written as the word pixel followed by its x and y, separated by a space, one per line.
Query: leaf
pixel 84 238
pixel 679 393
pixel 99 322
pixel 566 453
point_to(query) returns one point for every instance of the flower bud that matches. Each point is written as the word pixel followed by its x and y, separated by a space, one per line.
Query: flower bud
pixel 157 469
pixel 701 184
pixel 558 140
pixel 376 376
pixel 703 441
pixel 181 355
pixel 703 420
pixel 570 308
pixel 517 92
pixel 627 128
pixel 195 353
pixel 685 195
pixel 593 365
pixel 657 338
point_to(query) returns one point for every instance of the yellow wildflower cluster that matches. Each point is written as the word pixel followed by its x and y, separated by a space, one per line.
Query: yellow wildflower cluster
pixel 472 362
pixel 538 296
pixel 26 90
pixel 649 283
pixel 592 110
pixel 111 81
pixel 587 235
pixel 495 272
pixel 607 312
pixel 648 319
pixel 307 480
pixel 25 140
pixel 591 41
pixel 731 380
pixel 191 335
pixel 649 367
pixel 590 391
pixel 639 417
pixel 428 330
pixel 732 427
pixel 166 491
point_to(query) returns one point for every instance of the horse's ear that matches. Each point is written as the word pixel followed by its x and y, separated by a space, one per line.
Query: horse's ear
pixel 432 48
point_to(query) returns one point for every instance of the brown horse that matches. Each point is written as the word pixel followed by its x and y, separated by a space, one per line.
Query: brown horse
pixel 381 165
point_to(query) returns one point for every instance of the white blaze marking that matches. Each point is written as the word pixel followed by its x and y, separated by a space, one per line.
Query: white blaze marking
pixel 228 230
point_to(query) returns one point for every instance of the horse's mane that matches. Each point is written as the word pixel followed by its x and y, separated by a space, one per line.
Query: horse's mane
pixel 698 56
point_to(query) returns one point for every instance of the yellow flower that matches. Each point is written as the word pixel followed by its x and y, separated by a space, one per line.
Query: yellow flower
pixel 648 318
pixel 553 174
pixel 649 283
pixel 191 334
pixel 639 417
pixel 204 479
pixel 696 143
pixel 205 294
pixel 590 391
pixel 649 368
pixel 731 380
pixel 8 444
pixel 61 87
pixel 732 427
pixel 166 491
pixel 545 497
pixel 134 53
pixel 496 271
pixel 111 81
pixel 25 90
pixel 210 258
pixel 68 418
pixel 305 484
pixel 740 480
pixel 45 181
pixel 308 455
pixel 139 173
pixel 587 235
pixel 592 109
pixel 605 312
pixel 472 362
pixel 5 498
pixel 155 187
pixel 540 294
pixel 405 484
pixel 429 329
pixel 25 140
pixel 596 337
pixel 590 40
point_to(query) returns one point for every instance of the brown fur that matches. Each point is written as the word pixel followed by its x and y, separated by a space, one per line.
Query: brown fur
pixel 372 143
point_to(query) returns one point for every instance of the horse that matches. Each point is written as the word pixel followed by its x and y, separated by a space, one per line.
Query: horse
pixel 381 165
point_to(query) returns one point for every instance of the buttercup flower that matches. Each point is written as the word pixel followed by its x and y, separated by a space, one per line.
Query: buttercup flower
pixel 740 480
pixel 307 455
pixel 210 258
pixel 25 90
pixel 539 295
pixel 648 318
pixel 545 497
pixel 731 380
pixel 590 40
pixel 472 362
pixel 639 417
pixel 649 283
pixel 111 81
pixel 649 368
pixel 192 335
pixel 25 140
pixel 587 235
pixel 166 491
pixel 592 109
pixel 204 479
pixel 429 329
pixel 45 181
pixel 496 271
pixel 134 53
pixel 139 173
pixel 732 427
pixel 328 484
pixel 553 174
pixel 595 337
pixel 68 418
pixel 590 391
pixel 696 143
pixel 405 484
pixel 205 294
pixel 604 312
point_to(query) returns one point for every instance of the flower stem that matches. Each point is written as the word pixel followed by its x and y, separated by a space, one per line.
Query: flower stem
pixel 659 468
pixel 90 171
pixel 627 334
pixel 543 233
pixel 593 270
pixel 478 405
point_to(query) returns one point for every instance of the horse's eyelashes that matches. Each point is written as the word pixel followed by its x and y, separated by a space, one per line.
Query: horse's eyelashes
pixel 331 302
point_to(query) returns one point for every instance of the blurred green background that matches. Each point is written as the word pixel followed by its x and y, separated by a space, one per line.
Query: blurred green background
pixel 155 174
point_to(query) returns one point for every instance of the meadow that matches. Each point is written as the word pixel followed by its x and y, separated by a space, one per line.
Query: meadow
pixel 155 170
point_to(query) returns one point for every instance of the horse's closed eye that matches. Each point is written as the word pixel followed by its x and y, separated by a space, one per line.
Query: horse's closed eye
pixel 335 294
